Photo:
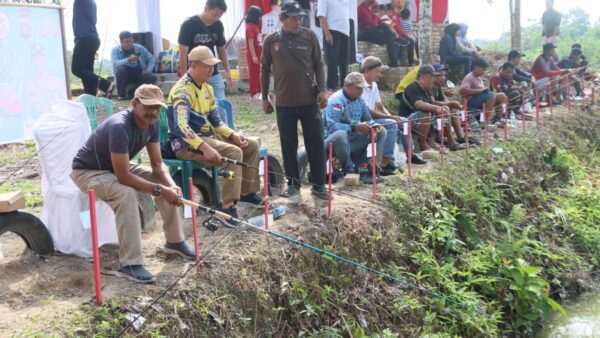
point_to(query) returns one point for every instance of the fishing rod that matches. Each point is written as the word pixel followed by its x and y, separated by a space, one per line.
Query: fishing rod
pixel 285 238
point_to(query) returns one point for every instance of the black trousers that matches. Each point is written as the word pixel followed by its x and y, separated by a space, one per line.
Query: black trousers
pixel 82 65
pixel 312 128
pixel 336 57
pixel 125 75
pixel 352 53
pixel 382 35
pixel 409 44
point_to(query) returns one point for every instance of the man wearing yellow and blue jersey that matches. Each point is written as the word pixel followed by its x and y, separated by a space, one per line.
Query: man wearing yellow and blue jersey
pixel 197 132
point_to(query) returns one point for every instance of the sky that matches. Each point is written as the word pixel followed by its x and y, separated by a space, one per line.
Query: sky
pixel 489 21
pixel 486 21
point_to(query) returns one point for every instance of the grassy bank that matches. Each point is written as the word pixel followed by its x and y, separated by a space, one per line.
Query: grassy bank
pixel 506 233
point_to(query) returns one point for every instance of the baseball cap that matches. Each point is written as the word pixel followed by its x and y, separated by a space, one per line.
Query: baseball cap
pixel 356 79
pixel 514 53
pixel 204 55
pixel 440 67
pixel 549 46
pixel 150 95
pixel 427 70
pixel 292 8
pixel 370 62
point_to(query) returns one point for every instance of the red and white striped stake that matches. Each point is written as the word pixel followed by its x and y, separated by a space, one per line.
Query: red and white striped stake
pixel 537 108
pixel 195 225
pixel 551 103
pixel 523 119
pixel 466 110
pixel 506 120
pixel 373 163
pixel 409 150
pixel 442 129
pixel 95 252
pixel 485 131
pixel 569 93
pixel 266 190
pixel 330 179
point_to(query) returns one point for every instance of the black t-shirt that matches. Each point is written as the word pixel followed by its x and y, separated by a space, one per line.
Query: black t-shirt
pixel 413 93
pixel 194 32
pixel 117 134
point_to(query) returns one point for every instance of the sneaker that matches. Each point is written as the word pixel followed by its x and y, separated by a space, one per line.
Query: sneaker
pixel 231 211
pixel 389 169
pixel 578 98
pixel 292 193
pixel 181 249
pixel 252 198
pixel 135 273
pixel 320 192
pixel 416 159
pixel 368 179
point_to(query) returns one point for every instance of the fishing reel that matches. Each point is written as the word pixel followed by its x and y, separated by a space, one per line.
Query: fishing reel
pixel 226 174
pixel 211 224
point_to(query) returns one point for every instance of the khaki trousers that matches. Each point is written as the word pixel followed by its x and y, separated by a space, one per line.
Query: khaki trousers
pixel 245 180
pixel 123 201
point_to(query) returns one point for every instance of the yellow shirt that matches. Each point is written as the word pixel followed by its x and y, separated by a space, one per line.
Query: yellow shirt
pixel 408 79
pixel 193 112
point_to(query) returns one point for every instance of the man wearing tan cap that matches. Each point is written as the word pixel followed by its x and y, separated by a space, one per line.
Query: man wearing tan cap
pixel 198 134
pixel 348 125
pixel 103 164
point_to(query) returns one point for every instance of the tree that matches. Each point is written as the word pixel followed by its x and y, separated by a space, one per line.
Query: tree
pixel 515 24
pixel 425 52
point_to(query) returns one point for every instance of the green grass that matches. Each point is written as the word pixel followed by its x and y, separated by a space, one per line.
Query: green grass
pixel 247 118
pixel 32 191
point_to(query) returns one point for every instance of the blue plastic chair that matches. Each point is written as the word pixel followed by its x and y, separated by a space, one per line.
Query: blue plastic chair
pixel 91 104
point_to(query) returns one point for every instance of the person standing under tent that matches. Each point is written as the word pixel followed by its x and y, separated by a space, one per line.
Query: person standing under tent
pixel 293 55
pixel 253 49
pixel 87 43
pixel 206 29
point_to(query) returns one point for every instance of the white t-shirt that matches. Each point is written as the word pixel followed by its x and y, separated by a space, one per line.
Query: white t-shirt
pixel 371 95
pixel 337 13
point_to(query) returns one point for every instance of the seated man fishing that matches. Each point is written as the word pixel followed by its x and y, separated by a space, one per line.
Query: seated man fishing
pixel 197 133
pixel 103 164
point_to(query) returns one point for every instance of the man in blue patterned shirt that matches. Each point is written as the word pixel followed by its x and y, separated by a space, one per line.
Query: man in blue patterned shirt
pixel 348 124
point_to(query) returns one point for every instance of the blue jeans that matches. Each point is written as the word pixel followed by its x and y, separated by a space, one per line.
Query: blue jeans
pixel 390 138
pixel 465 60
pixel 477 101
pixel 350 148
pixel 216 81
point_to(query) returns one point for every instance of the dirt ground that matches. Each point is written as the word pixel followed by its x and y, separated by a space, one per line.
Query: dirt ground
pixel 38 290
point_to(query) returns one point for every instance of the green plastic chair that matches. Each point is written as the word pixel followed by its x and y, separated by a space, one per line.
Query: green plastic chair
pixel 187 167
pixel 91 104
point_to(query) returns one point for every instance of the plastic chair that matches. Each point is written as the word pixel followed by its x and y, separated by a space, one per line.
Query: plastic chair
pixel 187 167
pixel 91 104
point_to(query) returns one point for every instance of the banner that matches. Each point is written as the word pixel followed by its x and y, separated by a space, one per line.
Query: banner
pixel 32 67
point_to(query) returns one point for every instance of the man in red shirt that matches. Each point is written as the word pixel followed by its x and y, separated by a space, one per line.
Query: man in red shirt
pixel 545 70
pixel 372 29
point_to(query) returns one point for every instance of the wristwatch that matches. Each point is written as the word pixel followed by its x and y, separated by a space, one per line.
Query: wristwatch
pixel 157 190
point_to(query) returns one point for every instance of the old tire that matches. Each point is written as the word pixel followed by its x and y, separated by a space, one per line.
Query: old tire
pixel 276 174
pixel 303 168
pixel 30 228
